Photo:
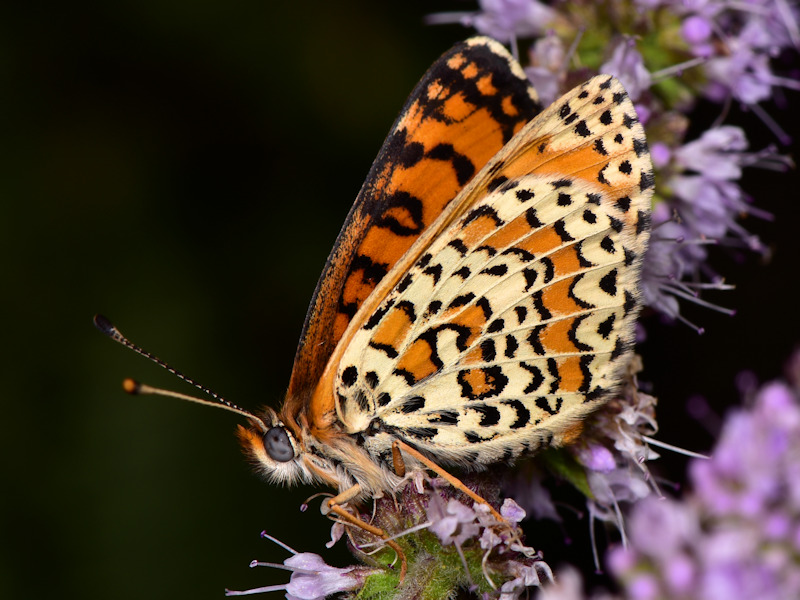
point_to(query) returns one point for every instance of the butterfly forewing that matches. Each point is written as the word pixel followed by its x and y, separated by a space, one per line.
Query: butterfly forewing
pixel 512 317
pixel 465 109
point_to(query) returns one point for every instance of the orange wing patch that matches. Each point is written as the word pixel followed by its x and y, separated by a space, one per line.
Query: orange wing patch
pixel 518 303
pixel 464 110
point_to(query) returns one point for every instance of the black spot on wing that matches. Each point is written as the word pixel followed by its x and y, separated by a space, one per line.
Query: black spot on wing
pixel 511 346
pixel 537 378
pixel 349 376
pixel 483 210
pixel 485 306
pixel 387 349
pixel 496 325
pixel 647 180
pixel 405 282
pixel 433 308
pixel 496 183
pixel 585 363
pixel 412 405
pixel 630 303
pixel 608 282
pixel 445 417
pixel 488 351
pixel 561 230
pixel 462 300
pixel 463 166
pixel 629 121
pixel 463 272
pixel 459 246
pixel 371 378
pixel 520 253
pixel 538 304
pixel 543 404
pixel 642 221
pixel 572 334
pixel 533 340
pixel 552 368
pixel 600 148
pixel 524 195
pixel 571 293
pixel 623 203
pixel 640 146
pixel 495 270
pixel 489 414
pixel 549 269
pixel 564 199
pixel 530 279
pixel 582 129
pixel 606 327
pixel 421 433
pixel 532 219
pixel 435 272
pixel 523 414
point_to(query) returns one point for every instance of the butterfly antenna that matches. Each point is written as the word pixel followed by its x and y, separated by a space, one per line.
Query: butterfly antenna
pixel 135 388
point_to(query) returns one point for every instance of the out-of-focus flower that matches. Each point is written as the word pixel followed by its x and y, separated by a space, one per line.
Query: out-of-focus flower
pixel 504 20
pixel 548 68
pixel 312 578
pixel 627 65
pixel 453 522
pixel 735 534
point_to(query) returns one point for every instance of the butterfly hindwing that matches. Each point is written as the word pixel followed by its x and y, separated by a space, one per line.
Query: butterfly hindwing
pixel 512 318
pixel 465 109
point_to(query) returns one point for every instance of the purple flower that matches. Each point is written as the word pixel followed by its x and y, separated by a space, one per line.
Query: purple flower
pixel 312 578
pixel 596 457
pixel 548 67
pixel 743 70
pixel 734 535
pixel 717 154
pixel 454 522
pixel 659 526
pixel 627 65
pixel 504 20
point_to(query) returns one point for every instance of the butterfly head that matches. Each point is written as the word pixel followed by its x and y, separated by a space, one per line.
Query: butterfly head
pixel 273 449
pixel 278 453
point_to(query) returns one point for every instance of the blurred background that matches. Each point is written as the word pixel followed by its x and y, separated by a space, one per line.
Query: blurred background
pixel 184 168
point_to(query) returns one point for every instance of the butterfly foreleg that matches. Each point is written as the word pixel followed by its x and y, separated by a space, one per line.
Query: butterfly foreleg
pixel 347 517
pixel 400 446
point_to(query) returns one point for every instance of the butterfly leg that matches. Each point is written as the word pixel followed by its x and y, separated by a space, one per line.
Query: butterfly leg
pixel 334 505
pixel 397 461
pixel 398 446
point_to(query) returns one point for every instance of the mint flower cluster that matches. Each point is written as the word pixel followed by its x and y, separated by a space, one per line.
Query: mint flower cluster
pixel 737 534
pixel 669 54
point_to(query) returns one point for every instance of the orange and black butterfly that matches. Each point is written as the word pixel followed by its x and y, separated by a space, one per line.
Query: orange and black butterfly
pixel 481 297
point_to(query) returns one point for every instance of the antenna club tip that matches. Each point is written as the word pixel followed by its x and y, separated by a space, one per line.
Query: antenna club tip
pixel 104 325
pixel 131 386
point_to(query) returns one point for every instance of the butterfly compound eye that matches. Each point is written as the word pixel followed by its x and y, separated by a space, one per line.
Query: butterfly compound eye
pixel 277 444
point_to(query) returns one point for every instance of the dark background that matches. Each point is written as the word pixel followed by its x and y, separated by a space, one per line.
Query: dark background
pixel 184 168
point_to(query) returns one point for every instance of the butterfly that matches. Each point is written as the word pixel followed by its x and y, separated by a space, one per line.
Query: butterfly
pixel 480 300
pixel 481 297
